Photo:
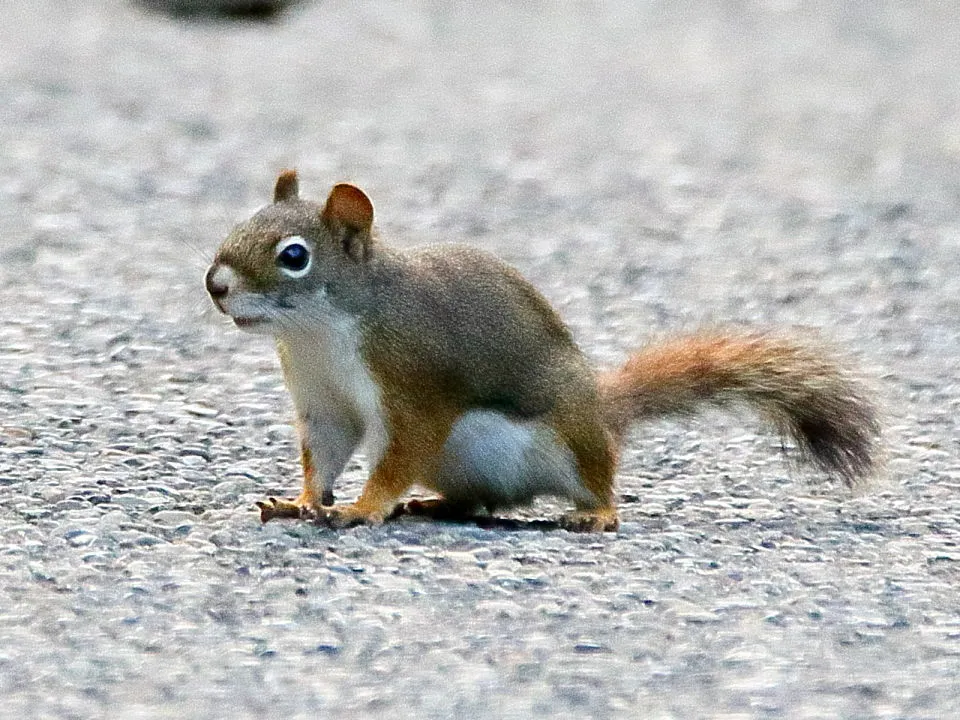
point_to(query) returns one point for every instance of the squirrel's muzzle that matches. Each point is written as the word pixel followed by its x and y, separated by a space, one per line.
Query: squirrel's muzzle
pixel 216 285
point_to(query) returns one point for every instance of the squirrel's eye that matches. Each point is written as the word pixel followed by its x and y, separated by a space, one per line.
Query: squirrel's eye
pixel 293 256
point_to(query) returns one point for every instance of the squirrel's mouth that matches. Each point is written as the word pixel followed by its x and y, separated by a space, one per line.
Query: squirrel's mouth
pixel 248 322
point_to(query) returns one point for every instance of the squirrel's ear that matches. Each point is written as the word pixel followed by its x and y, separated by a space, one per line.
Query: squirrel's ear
pixel 287 187
pixel 349 215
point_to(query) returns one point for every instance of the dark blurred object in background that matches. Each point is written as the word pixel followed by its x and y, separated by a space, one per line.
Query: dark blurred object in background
pixel 257 9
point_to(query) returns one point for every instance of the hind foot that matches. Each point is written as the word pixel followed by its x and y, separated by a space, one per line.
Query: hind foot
pixel 601 520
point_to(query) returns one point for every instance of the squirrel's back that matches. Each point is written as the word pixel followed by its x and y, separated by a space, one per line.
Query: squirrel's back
pixel 472 325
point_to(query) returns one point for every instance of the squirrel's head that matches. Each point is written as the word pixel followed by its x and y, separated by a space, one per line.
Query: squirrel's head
pixel 283 262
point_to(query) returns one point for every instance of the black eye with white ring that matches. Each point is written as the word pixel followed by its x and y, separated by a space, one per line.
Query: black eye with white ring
pixel 293 256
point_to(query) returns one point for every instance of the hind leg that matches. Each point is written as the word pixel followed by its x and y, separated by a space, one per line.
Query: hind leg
pixel 596 458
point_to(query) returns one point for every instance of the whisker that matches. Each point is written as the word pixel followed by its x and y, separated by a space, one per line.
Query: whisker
pixel 199 255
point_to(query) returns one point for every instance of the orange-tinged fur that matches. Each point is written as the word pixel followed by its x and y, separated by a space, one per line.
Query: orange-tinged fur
pixel 463 379
pixel 804 392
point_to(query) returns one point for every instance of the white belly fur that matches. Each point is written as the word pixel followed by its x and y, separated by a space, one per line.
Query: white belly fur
pixel 493 461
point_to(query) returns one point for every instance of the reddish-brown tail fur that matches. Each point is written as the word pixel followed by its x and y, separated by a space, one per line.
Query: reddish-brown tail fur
pixel 804 392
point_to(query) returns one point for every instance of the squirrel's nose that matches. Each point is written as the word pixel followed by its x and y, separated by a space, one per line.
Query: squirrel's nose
pixel 216 286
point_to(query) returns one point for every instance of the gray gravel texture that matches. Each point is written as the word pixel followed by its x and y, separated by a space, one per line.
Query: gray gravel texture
pixel 652 167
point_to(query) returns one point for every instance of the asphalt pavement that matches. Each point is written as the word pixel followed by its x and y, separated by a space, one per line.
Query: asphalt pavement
pixel 652 167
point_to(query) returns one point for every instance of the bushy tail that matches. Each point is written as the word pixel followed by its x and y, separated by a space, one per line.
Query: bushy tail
pixel 803 391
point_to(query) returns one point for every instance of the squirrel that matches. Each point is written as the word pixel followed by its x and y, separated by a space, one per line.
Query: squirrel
pixel 458 375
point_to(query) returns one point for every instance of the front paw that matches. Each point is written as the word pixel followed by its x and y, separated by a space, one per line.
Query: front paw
pixel 272 508
pixel 344 516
